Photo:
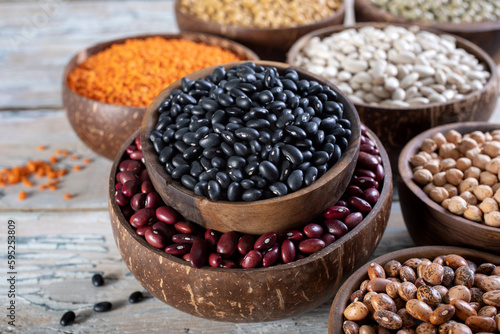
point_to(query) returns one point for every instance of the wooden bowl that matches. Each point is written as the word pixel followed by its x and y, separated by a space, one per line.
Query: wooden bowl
pixel 250 295
pixel 258 217
pixel 269 43
pixel 430 224
pixel 485 34
pixel 352 283
pixel 104 127
pixel 396 126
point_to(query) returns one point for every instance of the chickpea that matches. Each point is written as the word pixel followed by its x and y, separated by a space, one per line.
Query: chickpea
pixel 497 196
pixel 493 166
pixel 428 188
pixel 492 219
pixel 469 197
pixel 452 190
pixel 478 136
pixel 468 184
pixel 467 144
pixel 495 187
pixel 488 178
pixel 480 161
pixel 446 203
pixel 417 168
pixel 418 160
pixel 483 191
pixel 433 166
pixel 439 179
pixel 457 205
pixel 449 150
pixel 453 136
pixel 472 172
pixel 428 145
pixel 488 137
pixel 438 194
pixel 422 176
pixel 434 155
pixel 463 164
pixel 426 155
pixel 492 149
pixel 439 139
pixel 488 205
pixel 454 176
pixel 472 153
pixel 473 213
pixel 448 163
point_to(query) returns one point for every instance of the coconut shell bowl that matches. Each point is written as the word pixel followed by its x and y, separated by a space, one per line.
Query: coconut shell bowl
pixel 427 221
pixel 104 127
pixel 247 295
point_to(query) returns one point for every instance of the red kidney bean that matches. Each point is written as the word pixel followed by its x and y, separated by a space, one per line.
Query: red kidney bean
pixel 353 190
pixel 214 260
pixel 142 230
pixel 328 239
pixel 121 199
pixel 155 238
pixel 369 149
pixel 144 175
pixel 186 257
pixel 265 241
pixel 167 230
pixel 288 251
pixel 118 186
pixel 153 200
pixel 371 195
pixel 138 143
pixel 184 238
pixel 227 243
pixel 185 227
pixel 271 256
pixel 362 127
pixel 312 245
pixel 365 182
pixel 130 187
pixel 123 177
pixel 341 203
pixel 379 173
pixel 252 259
pixel 178 249
pixel 367 141
pixel 198 253
pixel 137 201
pixel 353 220
pixel 133 166
pixel 364 172
pixel 337 212
pixel 292 235
pixel 367 160
pixel 137 155
pixel 313 230
pixel 127 211
pixel 167 215
pixel 130 149
pixel 359 204
pixel 147 187
pixel 211 238
pixel 336 227
pixel 228 264
pixel 142 217
pixel 245 244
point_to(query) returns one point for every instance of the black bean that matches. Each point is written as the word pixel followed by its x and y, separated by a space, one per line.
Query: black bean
pixel 135 297
pixel 310 175
pixel 319 158
pixel 166 154
pixel 258 123
pixel 196 169
pixel 158 144
pixel 285 168
pixel 264 137
pixel 251 195
pixel 269 77
pixel 210 140
pixel 304 144
pixel 304 166
pixel 211 152
pixel 218 162
pixel 255 147
pixel 247 133
pixel 236 162
pixel 203 84
pixel 97 280
pixel 243 102
pixel 346 124
pixel 247 87
pixel 233 126
pixel 186 99
pixel 241 149
pixel 179 171
pixel 67 318
pixel 307 154
pixel 208 175
pixel 234 192
pixel 178 160
pixel 268 170
pixel 292 154
pixel 218 74
pixel 296 131
pixel 285 120
pixel 260 182
pixel 251 168
pixel 303 85
pixel 276 106
pixel 236 174
pixel 295 180
pixel 168 135
pixel 218 116
pixel 189 138
pixel 103 307
pixel 278 188
pixel 188 181
pixel 223 179
pixel 214 190
pixel 319 137
pixel 338 131
pixel 200 188
pixel 192 152
pixel 225 100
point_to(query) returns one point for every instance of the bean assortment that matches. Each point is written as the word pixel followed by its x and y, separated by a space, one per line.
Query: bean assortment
pixel 455 11
pixel 448 294
pixel 461 172
pixel 162 227
pixel 250 133
pixel 261 14
pixel 394 66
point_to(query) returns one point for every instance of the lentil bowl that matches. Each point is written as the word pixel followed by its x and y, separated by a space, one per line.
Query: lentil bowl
pixel 427 221
pixel 104 126
pixel 248 295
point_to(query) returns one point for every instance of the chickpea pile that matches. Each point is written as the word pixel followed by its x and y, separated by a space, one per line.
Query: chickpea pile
pixel 446 295
pixel 461 172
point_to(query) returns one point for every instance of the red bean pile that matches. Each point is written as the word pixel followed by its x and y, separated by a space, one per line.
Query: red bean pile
pixel 164 228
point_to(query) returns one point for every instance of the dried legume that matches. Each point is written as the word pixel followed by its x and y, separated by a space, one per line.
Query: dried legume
pixel 135 72
pixel 103 307
pixel 97 280
pixel 68 318
pixel 250 133
pixel 394 66
pixel 261 14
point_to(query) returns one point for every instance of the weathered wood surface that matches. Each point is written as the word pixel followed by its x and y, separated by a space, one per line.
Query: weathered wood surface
pixel 62 243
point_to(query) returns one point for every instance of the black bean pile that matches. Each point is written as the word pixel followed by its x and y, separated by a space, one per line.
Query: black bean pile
pixel 250 133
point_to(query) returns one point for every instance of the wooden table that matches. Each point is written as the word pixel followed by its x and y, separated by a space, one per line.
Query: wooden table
pixel 62 243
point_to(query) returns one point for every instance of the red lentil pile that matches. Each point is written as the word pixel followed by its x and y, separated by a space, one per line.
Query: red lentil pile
pixel 135 72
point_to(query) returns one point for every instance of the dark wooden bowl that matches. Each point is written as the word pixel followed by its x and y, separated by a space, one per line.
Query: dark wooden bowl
pixel 395 126
pixel 258 217
pixel 430 224
pixel 270 43
pixel 485 34
pixel 250 295
pixel 104 127
pixel 352 283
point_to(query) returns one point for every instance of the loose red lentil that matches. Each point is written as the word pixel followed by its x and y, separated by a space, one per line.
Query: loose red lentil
pixel 41 148
pixel 22 195
pixel 67 196
pixel 86 161
pixel 135 72
pixel 77 168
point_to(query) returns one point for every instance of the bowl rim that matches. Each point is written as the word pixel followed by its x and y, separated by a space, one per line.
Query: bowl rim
pixel 80 56
pixel 240 29
pixel 461 42
pixel 462 27
pixel 346 289
pixel 387 189
pixel 405 171
pixel 331 172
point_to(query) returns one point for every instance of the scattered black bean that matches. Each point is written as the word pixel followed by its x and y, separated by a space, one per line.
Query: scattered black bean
pixel 103 307
pixel 135 297
pixel 67 318
pixel 97 280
